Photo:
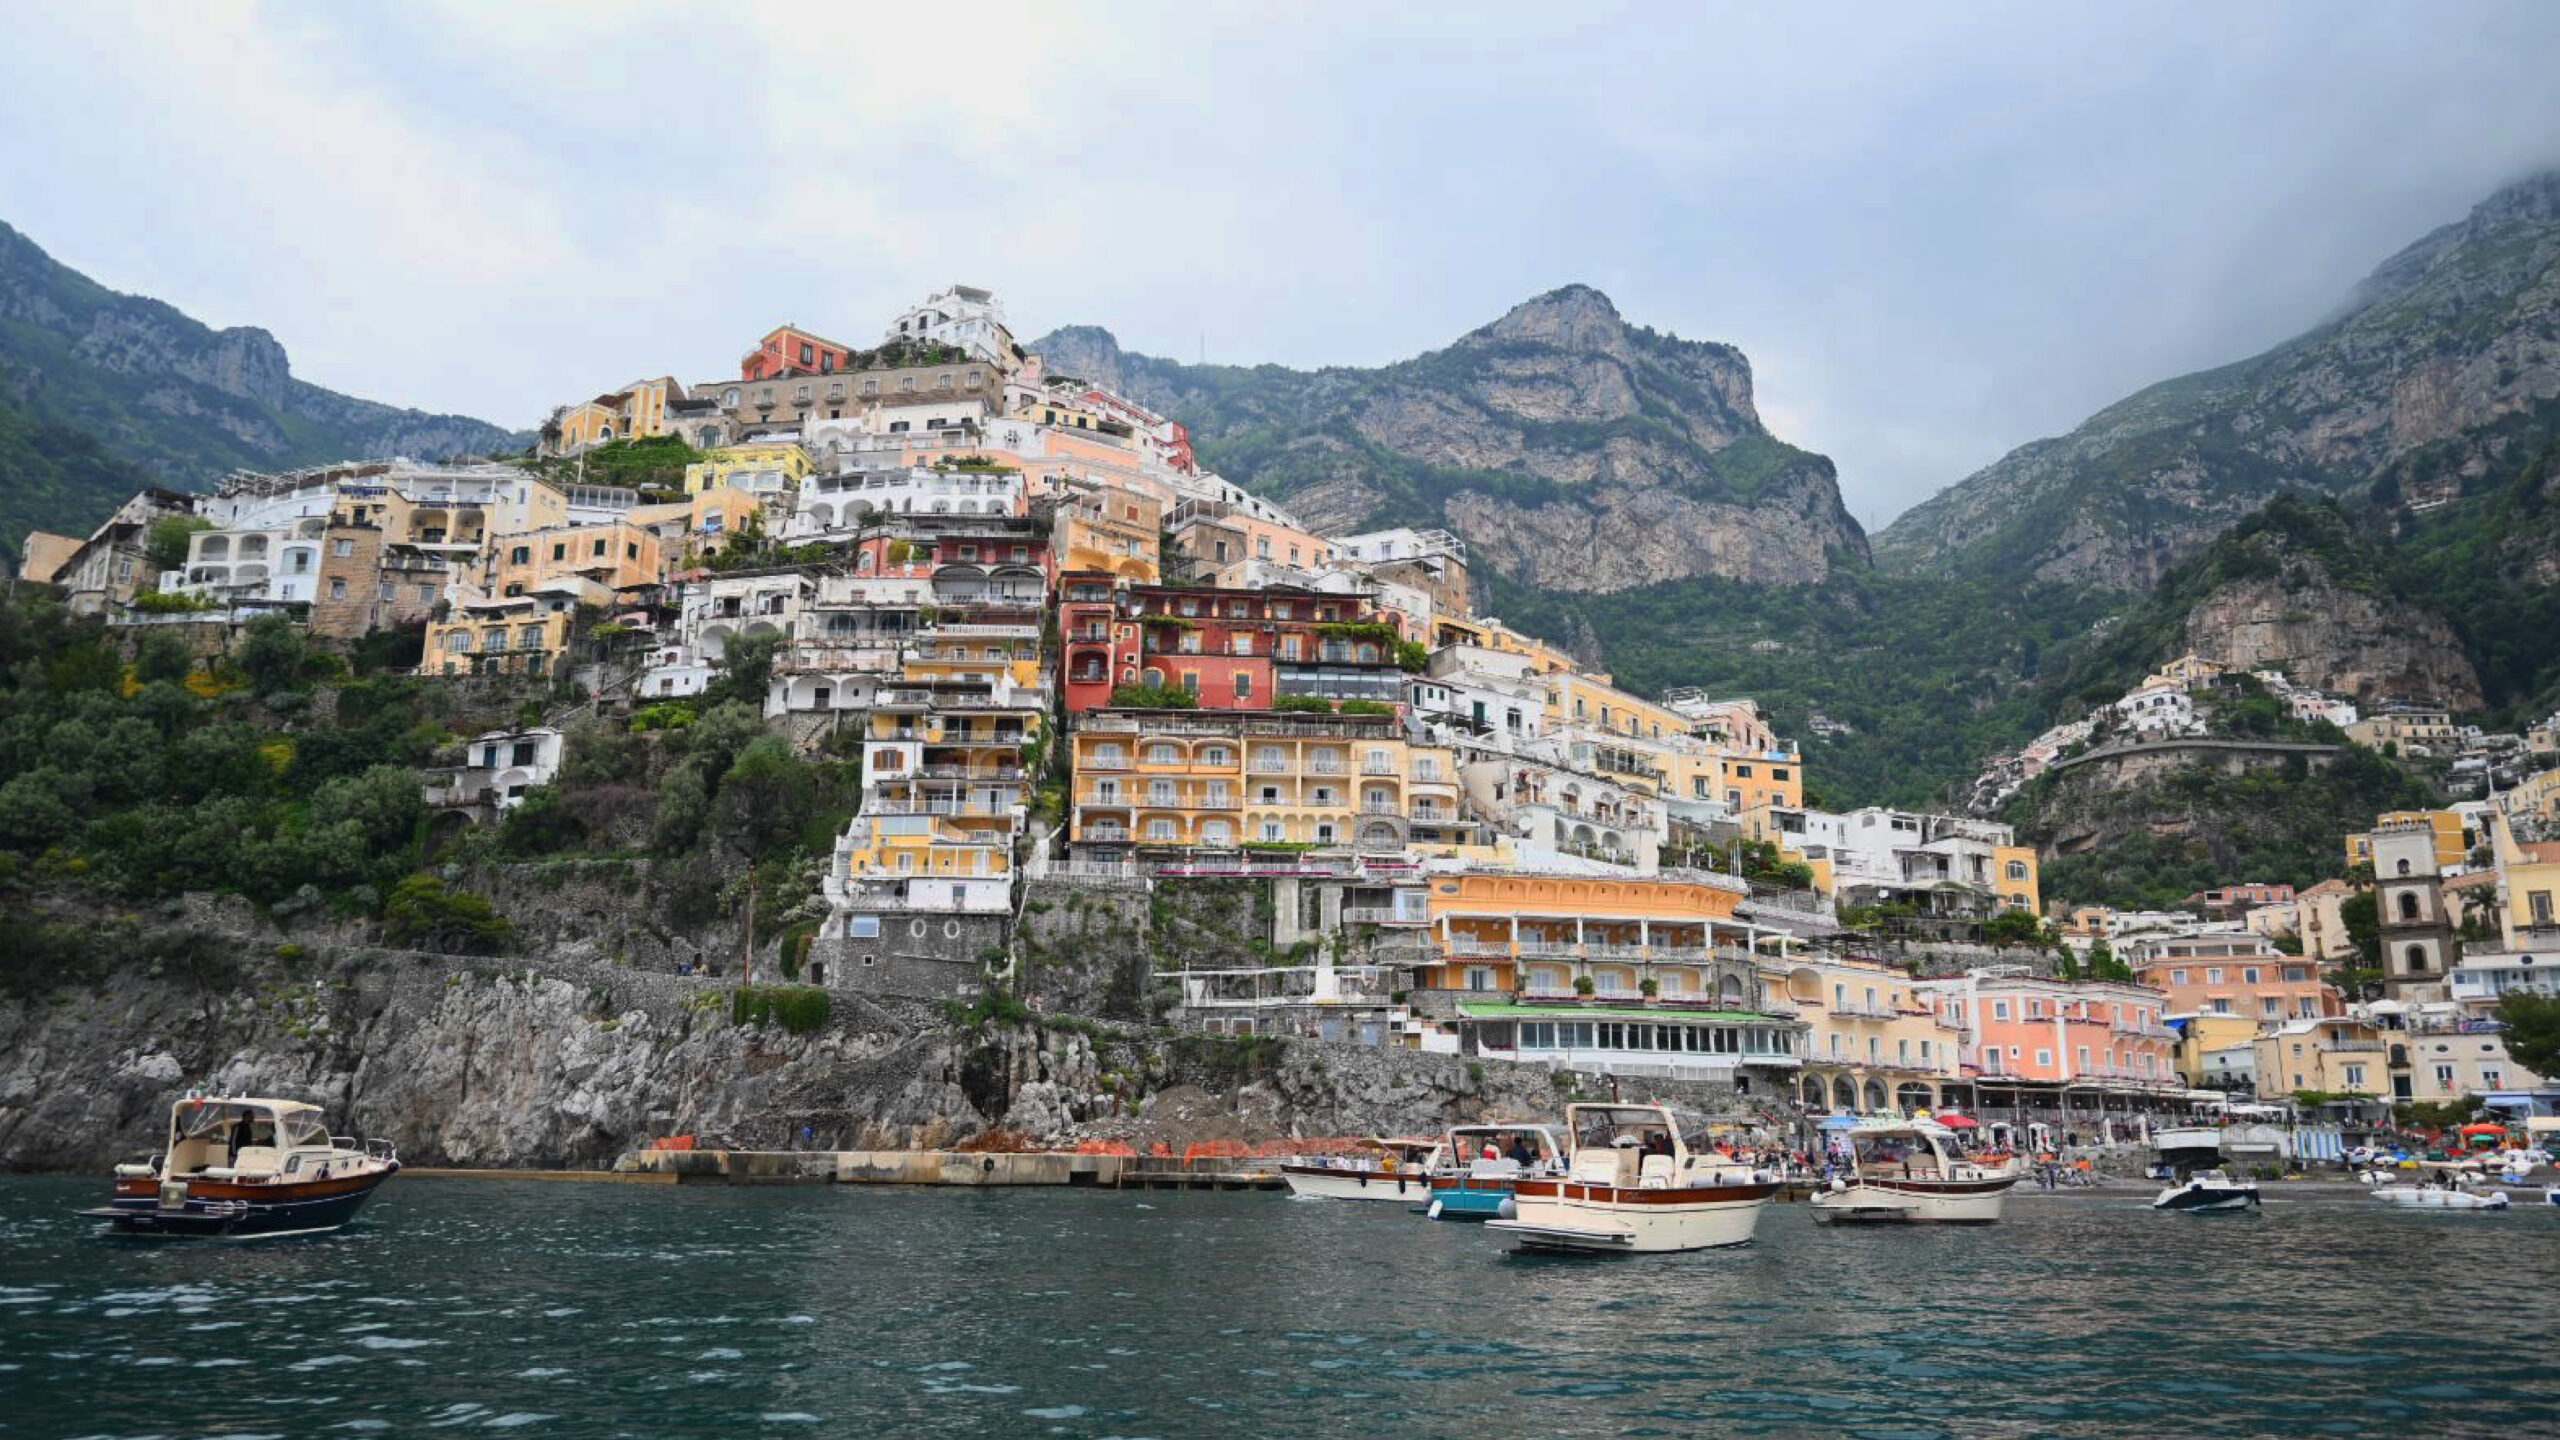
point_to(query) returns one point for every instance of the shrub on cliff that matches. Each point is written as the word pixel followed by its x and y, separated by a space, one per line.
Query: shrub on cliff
pixel 424 913
pixel 800 1009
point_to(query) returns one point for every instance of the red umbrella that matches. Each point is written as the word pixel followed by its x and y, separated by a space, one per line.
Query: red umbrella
pixel 1958 1122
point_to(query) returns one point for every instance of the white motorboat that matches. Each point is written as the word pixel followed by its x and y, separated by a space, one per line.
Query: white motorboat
pixel 2439 1197
pixel 1634 1186
pixel 2208 1192
pixel 1906 1171
pixel 1390 1169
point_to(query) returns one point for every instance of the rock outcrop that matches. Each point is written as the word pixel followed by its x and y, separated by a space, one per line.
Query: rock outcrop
pixel 2443 342
pixel 554 1062
pixel 2356 643
pixel 1571 450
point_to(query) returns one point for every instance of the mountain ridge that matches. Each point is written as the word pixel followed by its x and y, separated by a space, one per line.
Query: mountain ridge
pixel 181 401
pixel 1570 449
pixel 2441 340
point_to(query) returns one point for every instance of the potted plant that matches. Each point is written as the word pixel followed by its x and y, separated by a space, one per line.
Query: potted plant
pixel 1582 985
pixel 1651 987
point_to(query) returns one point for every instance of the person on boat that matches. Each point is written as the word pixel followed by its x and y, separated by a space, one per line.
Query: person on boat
pixel 1521 1154
pixel 1492 1151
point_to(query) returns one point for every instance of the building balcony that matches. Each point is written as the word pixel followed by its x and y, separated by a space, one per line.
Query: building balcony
pixel 1465 949
pixel 1863 1010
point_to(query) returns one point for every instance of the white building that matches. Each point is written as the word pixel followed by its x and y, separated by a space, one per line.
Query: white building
pixel 842 503
pixel 963 316
pixel 498 769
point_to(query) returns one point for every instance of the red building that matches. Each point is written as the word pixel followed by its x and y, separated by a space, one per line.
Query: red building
pixel 1234 649
pixel 793 351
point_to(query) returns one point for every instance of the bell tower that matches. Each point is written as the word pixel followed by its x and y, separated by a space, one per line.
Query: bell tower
pixel 2418 947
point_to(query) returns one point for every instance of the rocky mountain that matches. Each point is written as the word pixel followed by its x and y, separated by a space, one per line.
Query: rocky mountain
pixel 2299 587
pixel 1574 452
pixel 2445 340
pixel 184 403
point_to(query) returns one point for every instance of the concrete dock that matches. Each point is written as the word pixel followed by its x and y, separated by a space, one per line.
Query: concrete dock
pixel 943 1167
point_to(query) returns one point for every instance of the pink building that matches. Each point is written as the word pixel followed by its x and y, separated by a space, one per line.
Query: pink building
pixel 2026 1040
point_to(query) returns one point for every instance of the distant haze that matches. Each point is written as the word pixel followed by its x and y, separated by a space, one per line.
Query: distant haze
pixel 1937 231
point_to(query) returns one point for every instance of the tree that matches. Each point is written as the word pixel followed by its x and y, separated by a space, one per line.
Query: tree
pixel 2533 1030
pixel 163 657
pixel 2066 963
pixel 1154 697
pixel 764 798
pixel 169 541
pixel 271 653
pixel 746 670
pixel 382 803
pixel 2361 915
pixel 2012 927
pixel 424 912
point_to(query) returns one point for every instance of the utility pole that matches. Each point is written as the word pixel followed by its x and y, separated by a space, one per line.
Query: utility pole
pixel 749 964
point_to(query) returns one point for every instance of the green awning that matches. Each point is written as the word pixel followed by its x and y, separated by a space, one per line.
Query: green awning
pixel 1472 1010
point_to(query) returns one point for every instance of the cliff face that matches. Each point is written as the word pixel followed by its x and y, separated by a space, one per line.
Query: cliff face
pixel 2299 587
pixel 1572 451
pixel 2348 642
pixel 2439 345
pixel 567 1062
pixel 186 403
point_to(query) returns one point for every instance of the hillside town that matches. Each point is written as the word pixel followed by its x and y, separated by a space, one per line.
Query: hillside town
pixel 1072 659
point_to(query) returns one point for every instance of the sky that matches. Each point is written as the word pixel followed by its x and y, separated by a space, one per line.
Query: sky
pixel 1939 231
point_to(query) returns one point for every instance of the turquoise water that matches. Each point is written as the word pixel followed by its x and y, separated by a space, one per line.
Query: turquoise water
pixel 573 1310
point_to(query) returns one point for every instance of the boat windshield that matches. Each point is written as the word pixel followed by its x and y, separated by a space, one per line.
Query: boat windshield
pixel 1529 1144
pixel 1601 1127
pixel 304 1128
pixel 1891 1150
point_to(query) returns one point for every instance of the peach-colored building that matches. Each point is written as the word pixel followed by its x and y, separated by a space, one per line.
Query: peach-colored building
pixel 2032 1038
pixel 2233 974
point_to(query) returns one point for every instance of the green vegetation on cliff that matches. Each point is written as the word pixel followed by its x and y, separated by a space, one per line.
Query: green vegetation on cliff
pixel 1930 676
pixel 2154 842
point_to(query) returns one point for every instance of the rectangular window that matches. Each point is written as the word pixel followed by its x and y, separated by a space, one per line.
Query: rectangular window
pixel 2044 1059
pixel 342 548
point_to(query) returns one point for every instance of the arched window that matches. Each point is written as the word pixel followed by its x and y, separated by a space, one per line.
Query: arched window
pixel 2415 958
pixel 2408 905
pixel 2404 867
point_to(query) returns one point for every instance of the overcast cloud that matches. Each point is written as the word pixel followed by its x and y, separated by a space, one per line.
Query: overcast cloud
pixel 1939 232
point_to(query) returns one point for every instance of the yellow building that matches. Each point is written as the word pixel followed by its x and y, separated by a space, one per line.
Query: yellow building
pixel 2537 797
pixel 763 468
pixel 2335 1054
pixel 522 635
pixel 1873 1043
pixel 622 555
pixel 2019 886
pixel 1542 934
pixel 1223 779
pixel 636 411
pixel 1493 635
pixel 2189 670
pixel 1111 531
pixel 698 525
pixel 2452 841
pixel 2202 1034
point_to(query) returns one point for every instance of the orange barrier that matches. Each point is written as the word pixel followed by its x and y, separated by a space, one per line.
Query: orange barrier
pixel 672 1142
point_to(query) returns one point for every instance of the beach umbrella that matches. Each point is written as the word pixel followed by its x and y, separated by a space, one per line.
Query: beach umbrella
pixel 1954 1121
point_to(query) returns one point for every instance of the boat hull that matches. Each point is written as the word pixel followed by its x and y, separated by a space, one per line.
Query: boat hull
pixel 1472 1199
pixel 2207 1201
pixel 2416 1197
pixel 220 1210
pixel 1318 1182
pixel 1913 1202
pixel 1572 1217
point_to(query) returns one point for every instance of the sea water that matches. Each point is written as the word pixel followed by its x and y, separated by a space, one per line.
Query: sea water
pixel 579 1309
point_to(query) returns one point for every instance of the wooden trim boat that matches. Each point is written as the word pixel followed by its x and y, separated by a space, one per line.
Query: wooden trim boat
pixel 1400 1169
pixel 1635 1186
pixel 1482 1189
pixel 1908 1172
pixel 238 1166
